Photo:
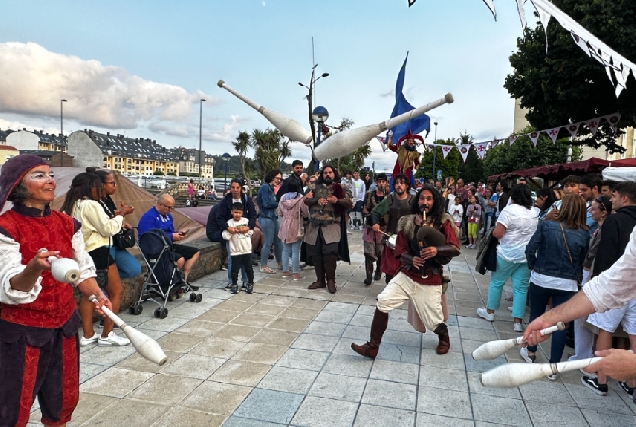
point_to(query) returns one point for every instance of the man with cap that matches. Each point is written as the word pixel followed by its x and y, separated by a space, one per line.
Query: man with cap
pixel 39 342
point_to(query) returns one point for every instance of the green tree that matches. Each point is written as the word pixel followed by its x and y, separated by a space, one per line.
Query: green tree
pixel 353 161
pixel 564 83
pixel 472 170
pixel 449 165
pixel 242 144
pixel 523 155
pixel 270 149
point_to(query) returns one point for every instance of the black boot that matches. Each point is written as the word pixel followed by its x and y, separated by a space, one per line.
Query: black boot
pixel 444 340
pixel 368 268
pixel 330 261
pixel 378 326
pixel 320 273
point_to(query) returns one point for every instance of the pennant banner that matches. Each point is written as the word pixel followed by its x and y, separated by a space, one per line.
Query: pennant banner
pixel 553 133
pixel 512 139
pixel 534 137
pixel 613 120
pixel 481 149
pixel 463 150
pixel 592 125
pixel 573 129
pixel 446 149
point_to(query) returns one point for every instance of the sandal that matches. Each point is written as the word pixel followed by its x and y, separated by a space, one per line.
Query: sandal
pixel 265 269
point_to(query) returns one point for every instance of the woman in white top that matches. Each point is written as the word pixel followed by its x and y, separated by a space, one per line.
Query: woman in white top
pixel 82 203
pixel 515 226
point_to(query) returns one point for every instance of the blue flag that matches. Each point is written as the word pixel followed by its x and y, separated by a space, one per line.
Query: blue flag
pixel 417 124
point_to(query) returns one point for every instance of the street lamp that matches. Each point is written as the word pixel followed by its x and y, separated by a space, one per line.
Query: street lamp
pixel 310 98
pixel 435 153
pixel 226 159
pixel 200 137
pixel 62 101
pixel 319 115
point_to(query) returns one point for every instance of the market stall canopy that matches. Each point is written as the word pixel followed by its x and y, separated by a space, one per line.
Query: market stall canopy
pixel 560 171
pixel 619 174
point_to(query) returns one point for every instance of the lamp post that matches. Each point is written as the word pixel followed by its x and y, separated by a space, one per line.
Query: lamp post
pixel 319 115
pixel 435 153
pixel 226 159
pixel 200 136
pixel 62 101
pixel 310 97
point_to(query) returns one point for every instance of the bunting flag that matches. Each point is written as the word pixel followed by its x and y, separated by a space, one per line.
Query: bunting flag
pixel 512 139
pixel 592 125
pixel 534 137
pixel 613 120
pixel 490 5
pixel 573 128
pixel 463 150
pixel 495 142
pixel 481 149
pixel 553 133
pixel 446 149
pixel 382 142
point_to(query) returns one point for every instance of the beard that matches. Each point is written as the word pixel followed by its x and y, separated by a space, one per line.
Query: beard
pixel 424 208
pixel 327 181
pixel 399 191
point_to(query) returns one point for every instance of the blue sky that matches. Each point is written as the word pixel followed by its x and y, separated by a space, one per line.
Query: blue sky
pixel 139 67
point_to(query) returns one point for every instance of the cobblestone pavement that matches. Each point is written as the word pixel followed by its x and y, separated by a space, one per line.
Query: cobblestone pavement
pixel 282 356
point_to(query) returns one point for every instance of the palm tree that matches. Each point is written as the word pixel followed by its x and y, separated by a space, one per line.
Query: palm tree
pixel 241 145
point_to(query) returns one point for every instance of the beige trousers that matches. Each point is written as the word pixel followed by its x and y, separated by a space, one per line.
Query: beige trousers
pixel 427 299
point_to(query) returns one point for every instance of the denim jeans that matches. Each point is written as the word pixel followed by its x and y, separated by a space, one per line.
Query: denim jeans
pixel 294 248
pixel 229 266
pixel 538 300
pixel 127 265
pixel 269 227
pixel 520 275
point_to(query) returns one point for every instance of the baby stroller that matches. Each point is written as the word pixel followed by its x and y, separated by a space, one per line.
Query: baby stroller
pixel 162 279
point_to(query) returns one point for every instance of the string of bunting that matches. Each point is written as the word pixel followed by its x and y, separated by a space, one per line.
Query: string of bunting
pixel 481 148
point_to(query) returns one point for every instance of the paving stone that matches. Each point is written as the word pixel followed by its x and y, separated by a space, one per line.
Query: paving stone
pixel 315 342
pixel 399 353
pixel 89 405
pixel 379 416
pixel 237 332
pixel 256 320
pixel 217 347
pixel 325 328
pixel 186 417
pixel 475 386
pixel 272 310
pixel 303 359
pixel 129 412
pixel 500 410
pixel 165 389
pixel 478 334
pixel 338 387
pixel 89 370
pixel 473 365
pixel 543 415
pixel 106 355
pixel 362 320
pixel 299 313
pixel 278 300
pixel 474 322
pixel 218 315
pixel 115 382
pixel 260 353
pixel 412 339
pixel 547 392
pixel 352 365
pixel 235 305
pixel 270 405
pixel 199 328
pixel 394 371
pixel 450 360
pixel 334 317
pixel 585 398
pixel 427 420
pixel 179 343
pixel 168 324
pixel 240 372
pixel 321 412
pixel 288 324
pixel 309 304
pixel 235 421
pixel 193 366
pixel 449 379
pixel 448 403
pixel 393 395
pixel 218 398
pixel 596 418
pixel 275 337
pixel 343 297
pixel 289 380
pixel 357 332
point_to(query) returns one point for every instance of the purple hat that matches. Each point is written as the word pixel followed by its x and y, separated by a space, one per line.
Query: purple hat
pixel 13 171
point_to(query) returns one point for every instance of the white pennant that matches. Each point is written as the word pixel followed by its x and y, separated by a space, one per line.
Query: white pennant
pixel 592 125
pixel 580 42
pixel 481 149
pixel 573 128
pixel 613 120
pixel 463 150
pixel 446 149
pixel 544 17
pixel 534 137
pixel 553 133
pixel 491 6
pixel 494 143
pixel 512 139
pixel 522 12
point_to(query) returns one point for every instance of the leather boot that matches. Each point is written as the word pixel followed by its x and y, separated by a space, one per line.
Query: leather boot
pixel 378 326
pixel 444 340
pixel 368 267
pixel 330 261
pixel 378 273
pixel 320 273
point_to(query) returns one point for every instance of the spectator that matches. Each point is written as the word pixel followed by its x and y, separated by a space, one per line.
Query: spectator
pixel 555 255
pixel 456 210
pixel 515 227
pixel 295 176
pixel 268 220
pixel 292 210
pixel 238 234
pixel 82 203
pixel 159 217
pixel 607 187
pixel 474 216
pixel 590 189
pixel 358 190
pixel 190 189
pixel 545 202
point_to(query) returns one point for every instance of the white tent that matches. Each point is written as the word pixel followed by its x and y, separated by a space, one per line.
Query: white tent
pixel 619 174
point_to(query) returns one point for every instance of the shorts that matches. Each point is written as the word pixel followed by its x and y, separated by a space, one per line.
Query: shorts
pixel 609 320
pixel 183 251
pixel 101 257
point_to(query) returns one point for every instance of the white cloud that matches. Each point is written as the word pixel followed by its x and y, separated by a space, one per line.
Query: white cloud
pixel 16 125
pixel 263 3
pixel 35 79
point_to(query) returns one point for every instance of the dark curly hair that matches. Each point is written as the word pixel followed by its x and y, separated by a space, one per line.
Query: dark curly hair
pixel 521 195
pixel 405 179
pixel 269 176
pixel 335 173
pixel 81 187
pixel 438 204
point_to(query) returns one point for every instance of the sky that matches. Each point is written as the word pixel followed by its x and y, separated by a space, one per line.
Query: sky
pixel 139 68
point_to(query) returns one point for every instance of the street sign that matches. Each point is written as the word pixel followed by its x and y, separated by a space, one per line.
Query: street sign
pixel 439 174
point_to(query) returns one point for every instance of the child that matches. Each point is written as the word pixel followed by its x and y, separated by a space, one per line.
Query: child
pixel 240 242
pixel 292 209
pixel 473 213
pixel 456 210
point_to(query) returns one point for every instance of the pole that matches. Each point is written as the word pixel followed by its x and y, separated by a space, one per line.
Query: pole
pixel 225 189
pixel 435 153
pixel 317 165
pixel 62 132
pixel 200 136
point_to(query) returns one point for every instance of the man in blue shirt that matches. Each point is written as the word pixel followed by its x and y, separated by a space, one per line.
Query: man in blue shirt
pixel 590 188
pixel 159 217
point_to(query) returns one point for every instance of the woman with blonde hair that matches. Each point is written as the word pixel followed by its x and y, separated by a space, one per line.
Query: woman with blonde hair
pixel 555 256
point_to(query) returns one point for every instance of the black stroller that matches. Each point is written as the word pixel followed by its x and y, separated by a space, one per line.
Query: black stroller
pixel 162 279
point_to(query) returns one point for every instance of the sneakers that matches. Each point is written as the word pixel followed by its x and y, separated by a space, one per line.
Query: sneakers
pixel 627 389
pixel 552 377
pixel 287 274
pixel 483 313
pixel 88 341
pixel 113 339
pixel 249 288
pixel 234 289
pixel 297 276
pixel 589 374
pixel 265 269
pixel 517 327
pixel 525 355
pixel 592 384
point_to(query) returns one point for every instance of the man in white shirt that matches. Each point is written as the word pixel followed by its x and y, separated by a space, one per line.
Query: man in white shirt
pixel 358 190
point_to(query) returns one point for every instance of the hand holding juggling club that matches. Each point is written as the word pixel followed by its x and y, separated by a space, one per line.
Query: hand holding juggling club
pixel 146 346
pixel 494 349
pixel 516 374
pixel 64 270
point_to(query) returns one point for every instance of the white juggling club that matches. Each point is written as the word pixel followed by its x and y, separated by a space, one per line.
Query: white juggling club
pixel 516 374
pixel 494 349
pixel 347 141
pixel 144 345
pixel 64 270
pixel 288 127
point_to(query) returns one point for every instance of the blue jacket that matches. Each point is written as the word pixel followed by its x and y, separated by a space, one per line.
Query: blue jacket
pixel 547 254
pixel 267 202
pixel 212 229
pixel 153 219
pixel 225 211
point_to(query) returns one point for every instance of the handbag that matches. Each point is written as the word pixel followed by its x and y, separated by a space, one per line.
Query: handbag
pixel 579 274
pixel 301 227
pixel 101 278
pixel 125 238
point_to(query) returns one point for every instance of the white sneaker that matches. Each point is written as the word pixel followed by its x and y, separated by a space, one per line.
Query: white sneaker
pixel 552 377
pixel 88 341
pixel 518 327
pixel 483 313
pixel 526 356
pixel 113 339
